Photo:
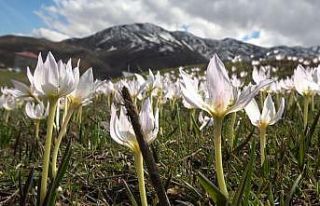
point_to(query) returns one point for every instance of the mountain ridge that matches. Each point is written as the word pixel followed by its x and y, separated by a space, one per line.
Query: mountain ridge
pixel 140 46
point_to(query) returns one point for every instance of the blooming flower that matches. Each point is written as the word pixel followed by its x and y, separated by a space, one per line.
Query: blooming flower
pixel 304 82
pixel 36 111
pixel 268 116
pixel 121 129
pixel 55 79
pixel 22 90
pixel 223 98
pixel 84 90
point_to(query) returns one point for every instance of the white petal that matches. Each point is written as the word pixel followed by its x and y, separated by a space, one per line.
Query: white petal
pixel 252 110
pixel 190 93
pixel 219 86
pixel 268 111
pixel 279 113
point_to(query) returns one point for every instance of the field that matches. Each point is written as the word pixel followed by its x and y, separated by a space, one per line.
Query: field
pixel 102 172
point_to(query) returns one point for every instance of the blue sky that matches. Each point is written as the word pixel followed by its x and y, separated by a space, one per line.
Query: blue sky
pixel 17 16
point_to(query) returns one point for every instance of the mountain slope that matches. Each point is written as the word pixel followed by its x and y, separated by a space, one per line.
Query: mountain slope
pixel 138 47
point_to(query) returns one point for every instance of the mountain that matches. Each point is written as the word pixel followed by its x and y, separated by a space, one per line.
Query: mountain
pixel 138 47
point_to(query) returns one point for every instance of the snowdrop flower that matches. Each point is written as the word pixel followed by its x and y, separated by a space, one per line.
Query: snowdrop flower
pixel 262 120
pixel 36 111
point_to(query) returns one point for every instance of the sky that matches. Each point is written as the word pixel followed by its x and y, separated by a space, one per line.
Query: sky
pixel 264 23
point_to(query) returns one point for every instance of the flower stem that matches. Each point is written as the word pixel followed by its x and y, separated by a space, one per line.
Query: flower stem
pixel 7 115
pixel 218 155
pixel 37 125
pixel 262 144
pixel 58 142
pixel 230 129
pixel 305 111
pixel 138 160
pixel 46 156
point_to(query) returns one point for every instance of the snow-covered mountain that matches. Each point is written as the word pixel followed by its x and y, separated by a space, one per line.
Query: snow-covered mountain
pixel 136 47
pixel 139 37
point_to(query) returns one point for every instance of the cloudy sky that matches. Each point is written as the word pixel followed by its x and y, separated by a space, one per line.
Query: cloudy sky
pixel 265 23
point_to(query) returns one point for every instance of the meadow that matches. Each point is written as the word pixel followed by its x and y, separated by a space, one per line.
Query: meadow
pixel 96 170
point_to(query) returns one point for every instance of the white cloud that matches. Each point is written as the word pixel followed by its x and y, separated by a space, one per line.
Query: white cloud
pixel 49 34
pixel 291 22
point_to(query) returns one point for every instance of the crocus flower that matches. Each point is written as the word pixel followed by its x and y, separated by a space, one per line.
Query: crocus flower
pixel 36 111
pixel 84 90
pixel 54 79
pixel 262 120
pixel 122 132
pixel 222 98
pixel 121 129
pixel 305 86
pixel 24 91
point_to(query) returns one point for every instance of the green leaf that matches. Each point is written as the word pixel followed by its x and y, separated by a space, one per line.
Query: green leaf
pixel 293 189
pixel 52 192
pixel 25 190
pixel 244 187
pixel 213 191
pixel 196 126
pixel 130 195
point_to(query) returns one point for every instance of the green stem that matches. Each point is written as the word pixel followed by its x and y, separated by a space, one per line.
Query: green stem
pixel 312 102
pixel 218 155
pixel 65 112
pixel 46 156
pixel 305 111
pixel 230 129
pixel 58 142
pixel 37 125
pixel 138 160
pixel 79 116
pixel 7 115
pixel 262 144
pixel 291 98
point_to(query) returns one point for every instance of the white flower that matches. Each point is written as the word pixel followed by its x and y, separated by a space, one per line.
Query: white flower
pixel 259 75
pixel 84 90
pixel 55 79
pixel 24 91
pixel 205 120
pixel 223 98
pixel 121 129
pixel 269 116
pixel 304 82
pixel 36 111
pixel 8 102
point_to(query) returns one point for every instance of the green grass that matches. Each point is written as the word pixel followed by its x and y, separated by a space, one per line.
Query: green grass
pixel 7 76
pixel 98 164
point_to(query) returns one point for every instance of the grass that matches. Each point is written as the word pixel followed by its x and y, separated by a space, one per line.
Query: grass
pixel 6 76
pixel 98 165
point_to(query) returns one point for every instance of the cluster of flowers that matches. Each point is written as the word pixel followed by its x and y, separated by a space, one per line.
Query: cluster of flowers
pixel 56 86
